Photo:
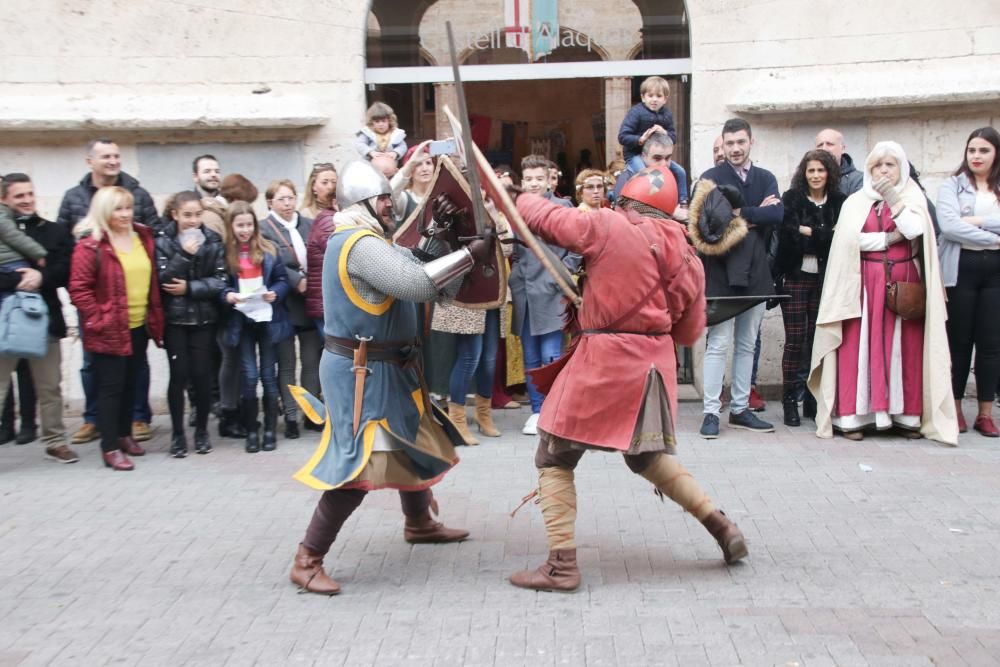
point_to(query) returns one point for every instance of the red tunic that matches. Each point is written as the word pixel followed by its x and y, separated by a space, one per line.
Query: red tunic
pixel 596 398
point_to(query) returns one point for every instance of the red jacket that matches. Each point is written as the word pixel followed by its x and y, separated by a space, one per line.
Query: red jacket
pixel 97 289
pixel 319 235
pixel 596 397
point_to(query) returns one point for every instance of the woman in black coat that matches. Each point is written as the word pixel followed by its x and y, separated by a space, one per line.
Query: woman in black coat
pixel 812 206
pixel 190 262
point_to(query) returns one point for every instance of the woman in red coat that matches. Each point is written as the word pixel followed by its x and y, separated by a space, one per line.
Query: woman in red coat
pixel 114 287
pixel 618 390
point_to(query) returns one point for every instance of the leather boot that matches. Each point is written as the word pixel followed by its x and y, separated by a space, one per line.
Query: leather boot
pixel 270 423
pixel 484 417
pixel 791 409
pixel 558 574
pixel 248 408
pixel 726 533
pixel 456 413
pixel 308 574
pixel 809 406
pixel 230 425
pixel 423 529
pixel 130 446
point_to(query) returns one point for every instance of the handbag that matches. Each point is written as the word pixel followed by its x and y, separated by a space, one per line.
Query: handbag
pixel 24 326
pixel 908 299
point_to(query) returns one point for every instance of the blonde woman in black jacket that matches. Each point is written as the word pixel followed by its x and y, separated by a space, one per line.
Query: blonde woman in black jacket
pixel 190 263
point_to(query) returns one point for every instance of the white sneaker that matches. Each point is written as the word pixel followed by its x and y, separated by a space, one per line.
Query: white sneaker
pixel 531 426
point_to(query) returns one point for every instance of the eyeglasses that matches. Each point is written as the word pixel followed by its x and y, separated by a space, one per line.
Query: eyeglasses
pixel 283 200
pixel 323 166
pixel 593 186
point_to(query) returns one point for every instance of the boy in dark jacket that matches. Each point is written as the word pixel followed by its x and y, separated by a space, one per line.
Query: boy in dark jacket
pixel 647 118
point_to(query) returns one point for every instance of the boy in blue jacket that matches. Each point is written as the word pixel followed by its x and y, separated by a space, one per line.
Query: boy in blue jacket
pixel 643 119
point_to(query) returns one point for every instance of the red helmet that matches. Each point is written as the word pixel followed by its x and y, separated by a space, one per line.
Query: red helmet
pixel 653 186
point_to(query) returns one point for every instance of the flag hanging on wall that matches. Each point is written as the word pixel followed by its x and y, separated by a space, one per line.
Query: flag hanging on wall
pixel 544 27
pixel 532 26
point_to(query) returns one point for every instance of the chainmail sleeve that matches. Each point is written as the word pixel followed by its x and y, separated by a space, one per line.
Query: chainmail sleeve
pixel 379 270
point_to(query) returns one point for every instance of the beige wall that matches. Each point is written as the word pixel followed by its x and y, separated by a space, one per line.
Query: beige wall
pixel 72 69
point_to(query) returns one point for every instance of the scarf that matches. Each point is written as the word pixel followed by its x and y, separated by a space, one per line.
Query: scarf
pixel 298 245
pixel 356 215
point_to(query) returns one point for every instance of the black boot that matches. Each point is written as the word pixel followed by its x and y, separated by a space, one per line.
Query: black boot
pixel 248 408
pixel 7 419
pixel 270 423
pixel 178 446
pixel 791 409
pixel 291 429
pixel 230 425
pixel 809 406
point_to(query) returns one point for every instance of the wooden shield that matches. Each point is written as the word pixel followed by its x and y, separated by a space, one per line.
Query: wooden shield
pixel 485 287
pixel 498 194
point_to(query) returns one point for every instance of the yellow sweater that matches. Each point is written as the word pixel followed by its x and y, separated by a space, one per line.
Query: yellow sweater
pixel 138 272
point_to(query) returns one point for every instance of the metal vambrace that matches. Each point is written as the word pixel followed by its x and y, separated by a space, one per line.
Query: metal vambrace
pixel 452 266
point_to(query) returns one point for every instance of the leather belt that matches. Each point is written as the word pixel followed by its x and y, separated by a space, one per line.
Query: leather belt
pixel 629 333
pixel 402 352
pixel 361 350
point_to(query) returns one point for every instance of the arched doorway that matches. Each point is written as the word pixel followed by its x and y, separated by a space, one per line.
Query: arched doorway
pixel 615 44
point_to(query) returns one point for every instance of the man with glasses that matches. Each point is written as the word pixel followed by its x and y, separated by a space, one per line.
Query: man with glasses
pixel 658 151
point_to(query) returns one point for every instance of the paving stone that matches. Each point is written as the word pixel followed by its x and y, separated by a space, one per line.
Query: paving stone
pixel 185 562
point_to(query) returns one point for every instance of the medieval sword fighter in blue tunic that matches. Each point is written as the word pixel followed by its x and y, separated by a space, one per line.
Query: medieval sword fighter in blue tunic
pixel 381 430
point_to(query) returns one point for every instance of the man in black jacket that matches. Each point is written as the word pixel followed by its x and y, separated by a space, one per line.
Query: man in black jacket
pixel 105 163
pixel 17 192
pixel 739 268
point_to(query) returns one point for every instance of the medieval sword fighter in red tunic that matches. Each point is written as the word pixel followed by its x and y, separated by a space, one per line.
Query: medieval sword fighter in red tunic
pixel 644 290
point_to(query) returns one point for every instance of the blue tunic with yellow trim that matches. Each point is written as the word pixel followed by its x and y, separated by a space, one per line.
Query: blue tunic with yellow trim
pixel 397 444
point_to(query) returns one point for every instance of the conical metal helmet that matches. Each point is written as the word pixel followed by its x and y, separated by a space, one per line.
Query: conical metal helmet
pixel 359 181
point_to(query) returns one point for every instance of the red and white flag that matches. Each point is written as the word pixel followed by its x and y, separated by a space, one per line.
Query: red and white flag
pixel 517 24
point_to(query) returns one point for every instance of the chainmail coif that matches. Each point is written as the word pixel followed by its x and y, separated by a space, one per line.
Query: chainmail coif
pixel 644 210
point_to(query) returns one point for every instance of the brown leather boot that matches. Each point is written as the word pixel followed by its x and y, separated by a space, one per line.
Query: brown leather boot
pixel 484 417
pixel 456 413
pixel 558 574
pixel 726 533
pixel 308 574
pixel 423 529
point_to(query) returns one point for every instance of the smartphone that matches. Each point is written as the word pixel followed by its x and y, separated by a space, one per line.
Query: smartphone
pixel 442 147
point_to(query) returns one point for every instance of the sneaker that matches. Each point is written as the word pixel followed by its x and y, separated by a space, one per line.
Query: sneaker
pixel 61 454
pixel 710 427
pixel 531 426
pixel 749 421
pixel 141 432
pixel 87 433
pixel 756 403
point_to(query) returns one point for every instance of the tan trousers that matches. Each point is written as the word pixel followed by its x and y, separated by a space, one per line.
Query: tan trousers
pixel 47 374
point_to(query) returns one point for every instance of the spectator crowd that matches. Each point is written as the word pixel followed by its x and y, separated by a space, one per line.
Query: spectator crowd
pixel 885 297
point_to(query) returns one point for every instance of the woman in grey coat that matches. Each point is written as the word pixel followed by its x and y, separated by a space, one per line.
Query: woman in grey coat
pixel 288 231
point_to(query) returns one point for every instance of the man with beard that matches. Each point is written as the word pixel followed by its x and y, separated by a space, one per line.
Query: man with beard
pixel 629 321
pixel 380 426
pixel 207 176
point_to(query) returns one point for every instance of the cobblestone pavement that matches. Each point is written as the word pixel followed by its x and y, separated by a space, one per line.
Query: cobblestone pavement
pixel 882 552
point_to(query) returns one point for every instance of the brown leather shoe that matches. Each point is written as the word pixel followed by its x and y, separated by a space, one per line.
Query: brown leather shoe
pixel 425 530
pixel 729 537
pixel 117 460
pixel 61 454
pixel 558 574
pixel 130 446
pixel 308 574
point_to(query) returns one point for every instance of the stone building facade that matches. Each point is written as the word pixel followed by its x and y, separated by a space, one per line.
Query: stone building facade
pixel 272 88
